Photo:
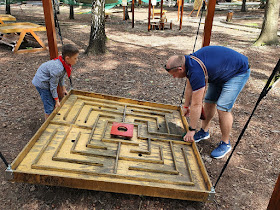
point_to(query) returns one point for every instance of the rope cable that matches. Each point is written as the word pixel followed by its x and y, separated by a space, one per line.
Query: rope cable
pixel 202 9
pixel 265 90
pixel 4 159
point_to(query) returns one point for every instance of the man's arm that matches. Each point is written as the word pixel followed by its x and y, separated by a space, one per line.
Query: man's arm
pixel 195 112
pixel 188 97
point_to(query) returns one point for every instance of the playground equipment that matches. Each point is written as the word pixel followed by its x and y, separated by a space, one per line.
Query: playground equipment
pixel 107 143
pixel 108 3
pixel 197 6
pixel 159 17
pixel 157 128
pixel 88 3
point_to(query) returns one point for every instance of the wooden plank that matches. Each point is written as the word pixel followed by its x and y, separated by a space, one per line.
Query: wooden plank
pixel 5 17
pixel 21 37
pixel 20 26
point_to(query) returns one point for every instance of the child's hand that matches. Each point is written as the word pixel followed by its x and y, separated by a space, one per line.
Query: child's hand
pixel 57 103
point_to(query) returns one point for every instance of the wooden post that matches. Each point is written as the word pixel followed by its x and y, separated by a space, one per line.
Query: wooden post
pixel 179 7
pixel 208 23
pixel 132 8
pixel 51 33
pixel 229 16
pixel 161 8
pixel 123 12
pixel 182 10
pixel 274 203
pixel 161 21
pixel 149 16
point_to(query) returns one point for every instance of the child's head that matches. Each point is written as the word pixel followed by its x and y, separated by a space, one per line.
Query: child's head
pixel 70 54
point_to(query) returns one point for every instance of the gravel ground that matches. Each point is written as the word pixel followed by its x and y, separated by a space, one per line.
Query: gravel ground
pixel 132 68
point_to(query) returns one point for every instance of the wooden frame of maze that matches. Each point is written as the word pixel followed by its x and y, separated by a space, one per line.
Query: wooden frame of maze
pixel 74 148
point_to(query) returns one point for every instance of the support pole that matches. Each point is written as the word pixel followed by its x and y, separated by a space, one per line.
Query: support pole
pixel 208 23
pixel 182 10
pixel 123 12
pixel 149 14
pixel 51 33
pixel 161 20
pixel 274 203
pixel 179 7
pixel 161 8
pixel 132 8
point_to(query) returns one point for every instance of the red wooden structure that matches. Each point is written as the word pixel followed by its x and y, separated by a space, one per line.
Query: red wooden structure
pixel 274 203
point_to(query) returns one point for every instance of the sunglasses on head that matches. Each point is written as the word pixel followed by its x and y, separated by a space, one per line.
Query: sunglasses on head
pixel 169 69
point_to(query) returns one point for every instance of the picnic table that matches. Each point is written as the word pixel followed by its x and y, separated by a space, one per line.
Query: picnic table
pixel 6 30
pixel 4 17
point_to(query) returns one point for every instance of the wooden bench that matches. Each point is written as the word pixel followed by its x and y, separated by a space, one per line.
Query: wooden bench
pixel 7 30
pixel 4 17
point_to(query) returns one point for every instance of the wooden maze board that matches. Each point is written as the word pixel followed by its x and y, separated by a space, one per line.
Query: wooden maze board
pixel 75 148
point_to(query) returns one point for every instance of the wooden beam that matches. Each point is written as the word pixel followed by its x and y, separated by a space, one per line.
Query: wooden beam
pixel 149 16
pixel 161 8
pixel 132 8
pixel 274 203
pixel 208 23
pixel 182 10
pixel 51 32
pixel 123 12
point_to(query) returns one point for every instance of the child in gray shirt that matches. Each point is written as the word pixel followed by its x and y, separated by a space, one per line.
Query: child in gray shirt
pixel 53 73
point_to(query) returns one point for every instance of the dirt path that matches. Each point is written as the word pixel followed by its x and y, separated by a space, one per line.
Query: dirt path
pixel 132 68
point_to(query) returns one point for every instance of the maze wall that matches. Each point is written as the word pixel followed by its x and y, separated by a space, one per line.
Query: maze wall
pixel 75 148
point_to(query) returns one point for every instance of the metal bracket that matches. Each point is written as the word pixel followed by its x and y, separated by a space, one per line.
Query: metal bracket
pixel 211 194
pixel 9 175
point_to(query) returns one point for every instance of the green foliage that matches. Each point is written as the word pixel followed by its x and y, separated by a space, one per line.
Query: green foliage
pixel 252 24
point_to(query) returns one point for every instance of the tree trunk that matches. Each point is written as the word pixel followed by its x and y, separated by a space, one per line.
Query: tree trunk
pixel 71 14
pixel 243 7
pixel 8 7
pixel 126 13
pixel 268 34
pixel 97 39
